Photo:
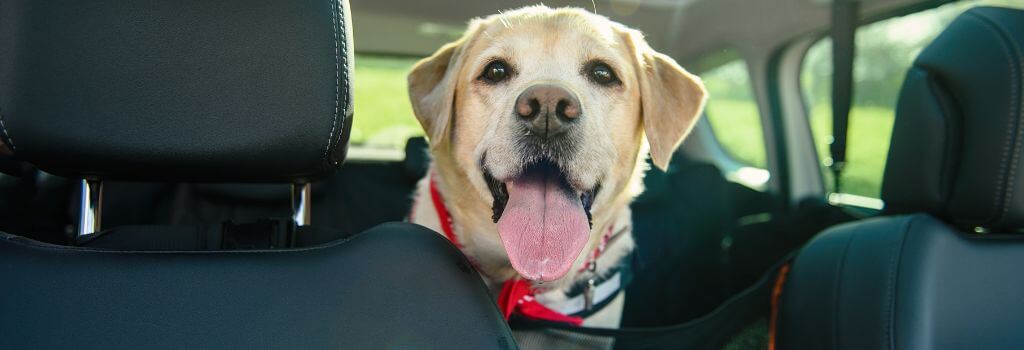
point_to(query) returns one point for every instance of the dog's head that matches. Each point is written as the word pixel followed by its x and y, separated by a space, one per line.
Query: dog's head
pixel 544 112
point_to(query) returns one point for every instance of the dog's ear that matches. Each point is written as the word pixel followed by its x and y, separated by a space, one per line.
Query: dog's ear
pixel 671 99
pixel 432 84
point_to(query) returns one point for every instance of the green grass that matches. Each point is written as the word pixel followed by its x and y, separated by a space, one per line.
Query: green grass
pixel 866 150
pixel 383 115
pixel 737 126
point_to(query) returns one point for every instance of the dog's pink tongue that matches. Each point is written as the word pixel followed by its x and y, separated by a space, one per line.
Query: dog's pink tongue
pixel 543 227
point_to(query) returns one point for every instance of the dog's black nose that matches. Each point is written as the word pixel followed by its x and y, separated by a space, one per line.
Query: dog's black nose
pixel 547 109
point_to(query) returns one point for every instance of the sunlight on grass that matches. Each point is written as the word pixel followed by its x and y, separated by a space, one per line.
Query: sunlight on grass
pixel 866 149
pixel 737 126
pixel 732 112
pixel 383 114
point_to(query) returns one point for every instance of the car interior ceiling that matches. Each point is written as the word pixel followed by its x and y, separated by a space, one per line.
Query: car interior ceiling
pixel 701 238
pixel 397 27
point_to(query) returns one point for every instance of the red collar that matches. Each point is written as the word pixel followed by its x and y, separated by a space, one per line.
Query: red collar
pixel 442 214
pixel 517 295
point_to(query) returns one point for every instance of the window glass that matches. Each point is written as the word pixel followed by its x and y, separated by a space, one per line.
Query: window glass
pixel 732 111
pixel 884 52
pixel 383 114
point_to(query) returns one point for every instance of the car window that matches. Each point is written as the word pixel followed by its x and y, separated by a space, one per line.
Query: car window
pixel 884 52
pixel 732 110
pixel 383 114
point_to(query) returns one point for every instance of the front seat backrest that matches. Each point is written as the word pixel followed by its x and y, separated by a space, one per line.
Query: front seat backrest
pixel 200 90
pixel 941 270
pixel 958 135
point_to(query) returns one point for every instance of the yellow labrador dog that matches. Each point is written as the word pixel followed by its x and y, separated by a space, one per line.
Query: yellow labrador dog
pixel 539 122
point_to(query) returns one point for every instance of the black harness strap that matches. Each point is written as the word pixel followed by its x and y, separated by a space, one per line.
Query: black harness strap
pixel 711 331
pixel 844 28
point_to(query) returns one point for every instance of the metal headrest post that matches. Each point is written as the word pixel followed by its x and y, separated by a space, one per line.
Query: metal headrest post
pixel 91 206
pixel 301 193
pixel 92 202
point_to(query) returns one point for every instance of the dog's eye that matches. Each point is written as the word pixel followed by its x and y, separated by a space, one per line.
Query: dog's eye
pixel 602 74
pixel 495 72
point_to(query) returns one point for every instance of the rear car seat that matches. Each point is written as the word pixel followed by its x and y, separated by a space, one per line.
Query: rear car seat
pixel 679 222
pixel 942 270
pixel 208 91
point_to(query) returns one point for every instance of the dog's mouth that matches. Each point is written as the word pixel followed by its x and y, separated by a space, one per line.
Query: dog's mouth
pixel 543 221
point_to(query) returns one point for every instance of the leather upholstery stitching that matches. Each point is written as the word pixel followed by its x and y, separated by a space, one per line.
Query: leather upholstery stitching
pixel 1014 107
pixel 344 64
pixel 1005 183
pixel 838 290
pixel 7 136
pixel 337 74
pixel 346 92
pixel 889 330
pixel 1016 76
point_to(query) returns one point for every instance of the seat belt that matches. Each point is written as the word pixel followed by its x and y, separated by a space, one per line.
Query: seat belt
pixel 711 331
pixel 844 28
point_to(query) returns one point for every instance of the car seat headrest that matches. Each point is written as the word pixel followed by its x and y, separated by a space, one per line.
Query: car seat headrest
pixel 188 90
pixel 957 148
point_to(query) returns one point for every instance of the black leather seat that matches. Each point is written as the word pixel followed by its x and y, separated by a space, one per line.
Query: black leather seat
pixel 394 286
pixel 941 271
pixel 676 223
pixel 209 91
